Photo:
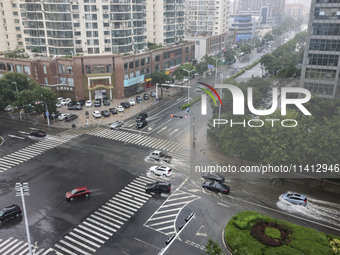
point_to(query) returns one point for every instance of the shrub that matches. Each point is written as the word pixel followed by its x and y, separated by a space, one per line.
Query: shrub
pixel 335 245
pixel 273 233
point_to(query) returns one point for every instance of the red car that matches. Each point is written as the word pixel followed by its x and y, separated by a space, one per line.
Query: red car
pixel 77 192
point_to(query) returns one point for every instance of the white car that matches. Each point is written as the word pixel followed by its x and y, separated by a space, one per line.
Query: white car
pixel 58 105
pixel 59 99
pixel 132 101
pixel 161 171
pixel 96 114
pixel 88 103
pixel 63 116
pixel 185 79
pixel 9 108
pixel 65 101
pixel 120 108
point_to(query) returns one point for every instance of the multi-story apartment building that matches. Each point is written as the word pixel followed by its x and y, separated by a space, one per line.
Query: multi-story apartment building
pixel 10 28
pixel 70 27
pixel 165 21
pixel 321 65
pixel 245 25
pixel 206 18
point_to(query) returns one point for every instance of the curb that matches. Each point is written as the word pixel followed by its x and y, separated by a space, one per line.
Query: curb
pixel 226 245
pixel 2 140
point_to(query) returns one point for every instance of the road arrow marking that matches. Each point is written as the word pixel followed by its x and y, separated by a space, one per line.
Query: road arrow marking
pixel 201 231
pixel 14 136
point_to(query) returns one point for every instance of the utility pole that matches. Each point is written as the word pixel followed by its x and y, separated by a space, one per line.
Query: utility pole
pixel 189 77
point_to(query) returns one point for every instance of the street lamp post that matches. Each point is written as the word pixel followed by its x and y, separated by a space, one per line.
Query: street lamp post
pixel 16 88
pixel 189 72
pixel 23 190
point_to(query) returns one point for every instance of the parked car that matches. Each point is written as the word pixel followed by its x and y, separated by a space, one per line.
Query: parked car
pixel 295 198
pixel 96 114
pixel 120 108
pixel 132 101
pixel 58 104
pixel 142 116
pixel 126 105
pixel 141 124
pixel 88 103
pixel 158 187
pixel 38 133
pixel 161 171
pixel 75 107
pixel 59 99
pixel 113 110
pixel 106 102
pixel 77 193
pixel 139 99
pixel 97 103
pixel 71 117
pixel 185 79
pixel 63 116
pixel 81 102
pixel 116 124
pixel 9 108
pixel 146 96
pixel 216 187
pixel 153 94
pixel 71 103
pixel 10 212
pixel 213 177
pixel 105 113
pixel 65 101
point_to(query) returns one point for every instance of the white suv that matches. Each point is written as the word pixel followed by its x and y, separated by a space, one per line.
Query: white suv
pixel 132 101
pixel 161 171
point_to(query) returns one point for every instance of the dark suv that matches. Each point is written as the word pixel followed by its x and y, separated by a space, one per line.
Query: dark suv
pixel 141 124
pixel 139 99
pixel 141 117
pixel 10 212
pixel 158 187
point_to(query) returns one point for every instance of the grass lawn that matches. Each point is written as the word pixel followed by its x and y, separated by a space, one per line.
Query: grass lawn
pixel 239 234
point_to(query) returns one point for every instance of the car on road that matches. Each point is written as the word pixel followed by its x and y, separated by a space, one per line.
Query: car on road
pixel 96 114
pixel 105 113
pixel 139 99
pixel 116 124
pixel 185 79
pixel 38 133
pixel 10 212
pixel 213 177
pixel 158 187
pixel 77 193
pixel 216 187
pixel 88 103
pixel 65 101
pixel 141 124
pixel 75 107
pixel 153 94
pixel 63 116
pixel 97 103
pixel 106 102
pixel 295 198
pixel 132 101
pixel 142 116
pixel 146 96
pixel 71 117
pixel 126 105
pixel 161 171
pixel 120 108
pixel 113 110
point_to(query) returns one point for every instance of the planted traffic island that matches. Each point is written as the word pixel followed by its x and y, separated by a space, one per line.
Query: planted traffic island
pixel 253 233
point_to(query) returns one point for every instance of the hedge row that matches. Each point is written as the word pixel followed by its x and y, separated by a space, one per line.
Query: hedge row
pixel 195 100
pixel 245 69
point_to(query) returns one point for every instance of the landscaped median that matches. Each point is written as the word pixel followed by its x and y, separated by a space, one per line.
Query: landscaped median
pixel 193 101
pixel 249 232
pixel 1 140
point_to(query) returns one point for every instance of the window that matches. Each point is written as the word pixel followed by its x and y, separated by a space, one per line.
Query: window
pixel 77 33
pixel 76 24
pixel 18 36
pixel 108 69
pixel 10 68
pixel 148 60
pixel 14 5
pixel 27 70
pixel 2 66
pixel 15 13
pixel 17 28
pixel 69 69
pixel 131 65
pixel 76 16
pixel 19 68
pixel 16 21
pixel 105 7
pixel 132 75
pixel 137 63
pixel 126 67
pixel 46 81
pixel 142 62
pixel 88 33
pixel 106 24
pixel 78 41
pixel 106 32
pixel 70 81
pixel 105 16
pixel 88 69
pixel 157 58
pixel 44 69
pixel 62 80
pixel 323 59
pixel 157 68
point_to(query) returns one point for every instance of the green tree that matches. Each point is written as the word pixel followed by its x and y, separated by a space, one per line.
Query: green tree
pixel 246 48
pixel 180 73
pixel 213 248
pixel 229 56
pixel 161 78
pixel 268 37
pixel 47 99
pixel 201 67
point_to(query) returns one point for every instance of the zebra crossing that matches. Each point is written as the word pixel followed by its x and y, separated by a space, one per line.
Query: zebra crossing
pixel 32 151
pixel 138 139
pixel 13 246
pixel 164 219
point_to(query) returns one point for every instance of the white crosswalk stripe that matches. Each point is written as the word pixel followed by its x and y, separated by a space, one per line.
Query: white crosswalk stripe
pixel 13 246
pixel 98 227
pixel 163 220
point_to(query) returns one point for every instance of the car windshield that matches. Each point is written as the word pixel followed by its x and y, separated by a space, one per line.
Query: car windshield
pixel 73 191
pixel 2 212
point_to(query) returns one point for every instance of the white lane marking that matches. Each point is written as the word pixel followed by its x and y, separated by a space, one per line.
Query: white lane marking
pixel 93 232
pixel 23 132
pixel 174 131
pixel 147 243
pixel 79 243
pixel 163 217
pixel 125 204
pixel 85 240
pixel 101 224
pixel 104 213
pixel 110 208
pixel 14 136
pixel 223 205
pixel 86 234
pixel 15 159
pixel 161 129
pixel 161 223
pixel 107 217
pixel 97 228
pixel 13 247
pixel 64 249
pixel 126 207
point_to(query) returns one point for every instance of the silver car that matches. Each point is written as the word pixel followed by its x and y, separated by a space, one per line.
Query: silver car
pixel 295 198
pixel 116 124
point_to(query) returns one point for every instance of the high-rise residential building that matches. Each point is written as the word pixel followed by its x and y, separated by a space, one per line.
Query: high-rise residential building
pixel 206 17
pixel 10 28
pixel 321 66
pixel 69 27
pixel 165 21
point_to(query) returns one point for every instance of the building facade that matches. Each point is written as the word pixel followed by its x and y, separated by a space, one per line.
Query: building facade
pixel 246 27
pixel 10 26
pixel 206 18
pixel 165 21
pixel 111 76
pixel 321 66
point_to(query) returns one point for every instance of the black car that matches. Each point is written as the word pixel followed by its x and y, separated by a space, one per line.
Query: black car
pixel 125 105
pixel 213 177
pixel 113 110
pixel 141 124
pixel 38 133
pixel 139 99
pixel 81 102
pixel 97 103
pixel 158 187
pixel 10 212
pixel 141 117
pixel 75 107
pixel 216 186
pixel 105 113
pixel 71 117
pixel 106 102
pixel 146 96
